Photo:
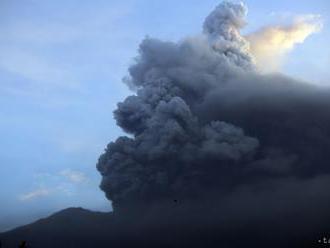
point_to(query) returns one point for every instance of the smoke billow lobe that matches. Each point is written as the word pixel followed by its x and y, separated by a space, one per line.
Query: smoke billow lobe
pixel 204 124
pixel 170 141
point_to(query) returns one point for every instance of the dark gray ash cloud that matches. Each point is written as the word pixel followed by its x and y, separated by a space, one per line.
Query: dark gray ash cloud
pixel 204 124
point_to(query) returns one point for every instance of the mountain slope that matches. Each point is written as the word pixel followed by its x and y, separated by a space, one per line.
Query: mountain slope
pixel 72 227
pixel 77 227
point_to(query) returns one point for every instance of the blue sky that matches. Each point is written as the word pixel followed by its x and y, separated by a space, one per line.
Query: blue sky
pixel 61 65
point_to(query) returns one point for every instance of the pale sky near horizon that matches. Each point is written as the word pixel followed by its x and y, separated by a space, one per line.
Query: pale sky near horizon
pixel 61 65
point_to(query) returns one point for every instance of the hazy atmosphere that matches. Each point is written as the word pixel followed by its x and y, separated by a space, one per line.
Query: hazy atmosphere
pixel 64 66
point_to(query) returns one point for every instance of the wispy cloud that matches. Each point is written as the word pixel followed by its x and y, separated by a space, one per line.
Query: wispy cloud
pixel 270 44
pixel 34 194
pixel 61 183
pixel 74 176
pixel 46 57
pixel 35 69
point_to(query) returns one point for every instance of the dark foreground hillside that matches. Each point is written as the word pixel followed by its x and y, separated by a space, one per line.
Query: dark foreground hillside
pixel 72 227
pixel 76 227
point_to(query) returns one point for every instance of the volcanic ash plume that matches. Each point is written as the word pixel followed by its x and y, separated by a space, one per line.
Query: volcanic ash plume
pixel 204 124
pixel 170 143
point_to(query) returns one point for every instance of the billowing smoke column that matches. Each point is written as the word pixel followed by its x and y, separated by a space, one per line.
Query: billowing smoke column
pixel 203 122
pixel 167 154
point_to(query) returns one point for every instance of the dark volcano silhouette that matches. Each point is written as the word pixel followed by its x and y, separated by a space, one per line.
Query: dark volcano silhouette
pixel 77 227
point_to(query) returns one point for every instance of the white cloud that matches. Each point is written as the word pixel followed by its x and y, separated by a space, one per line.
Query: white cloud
pixel 37 69
pixel 73 176
pixel 44 60
pixel 62 183
pixel 270 44
pixel 42 192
